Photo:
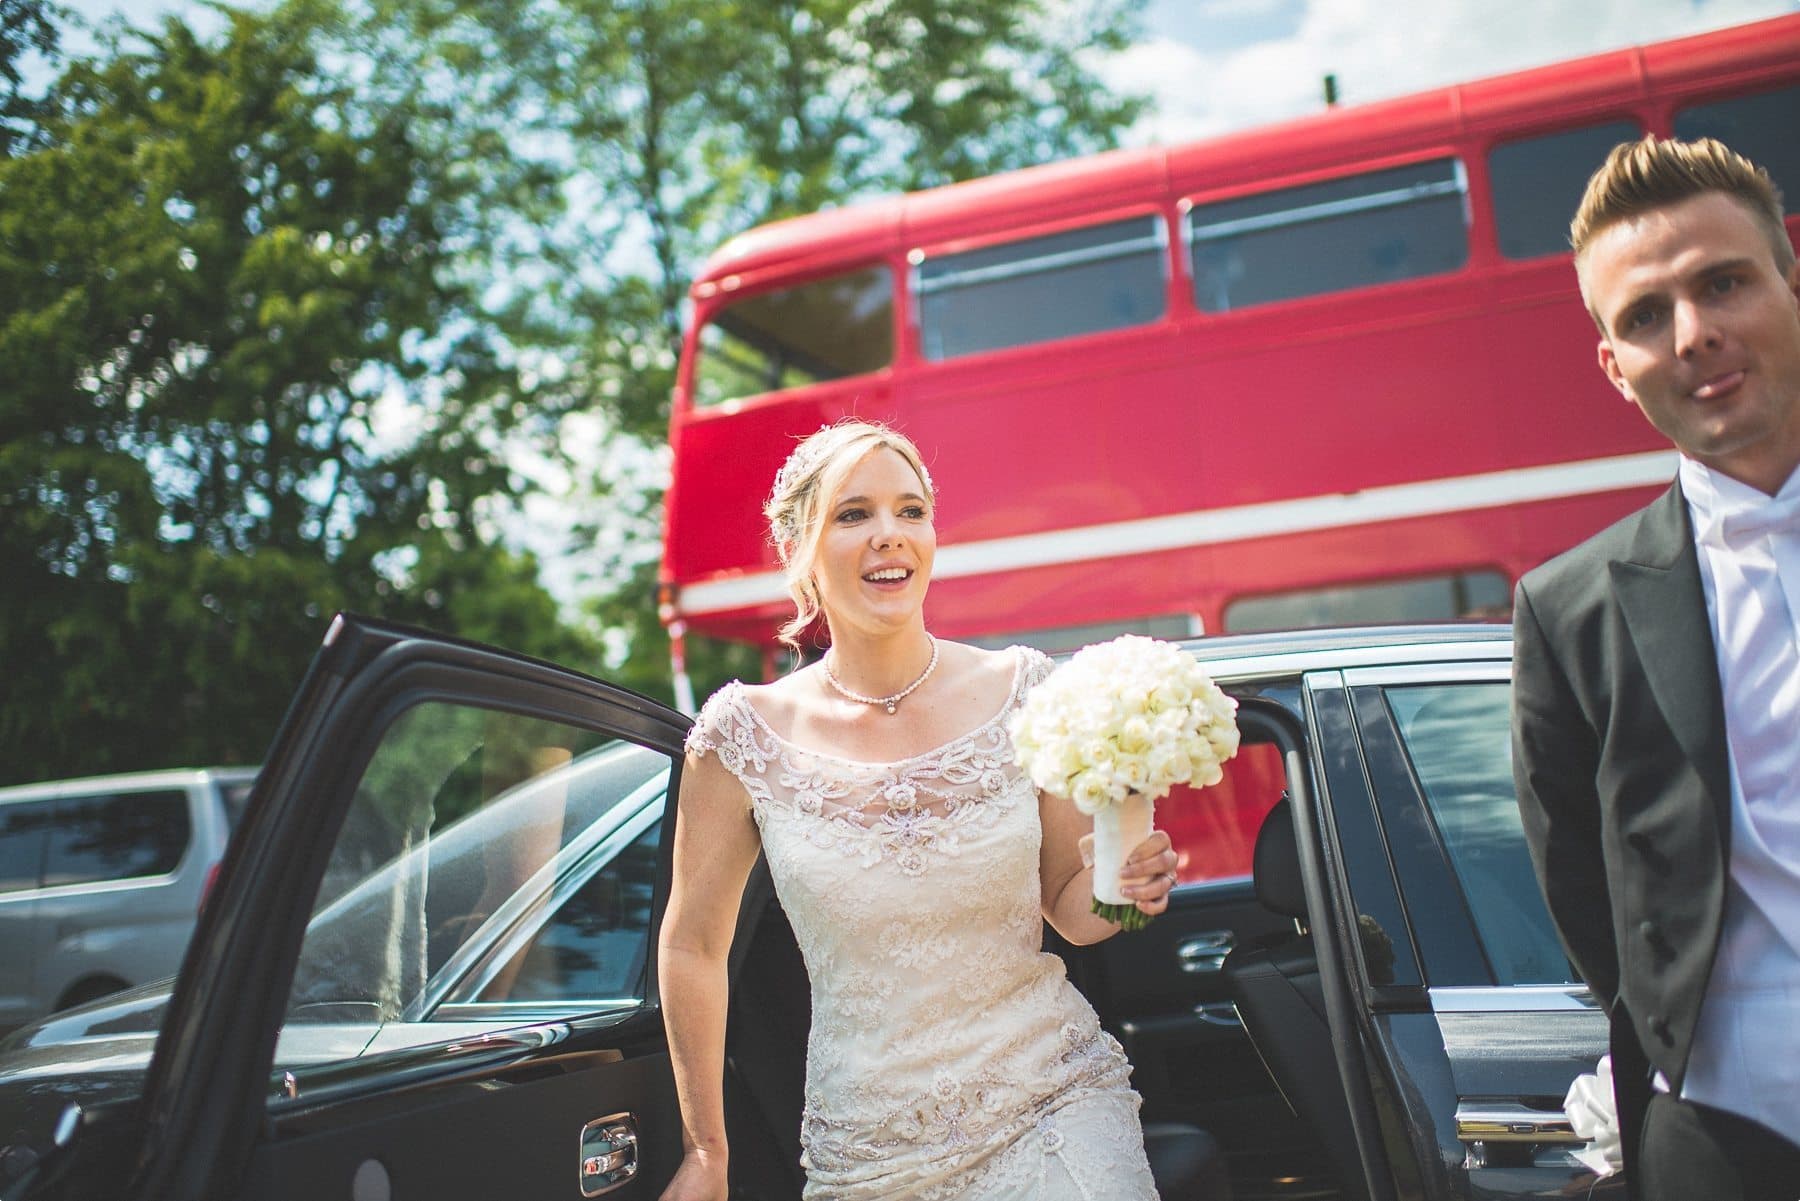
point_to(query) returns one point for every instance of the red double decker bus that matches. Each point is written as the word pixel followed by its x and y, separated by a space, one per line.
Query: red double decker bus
pixel 1334 369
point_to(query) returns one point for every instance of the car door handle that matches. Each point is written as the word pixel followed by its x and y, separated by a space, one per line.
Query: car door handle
pixel 1204 952
pixel 1510 1122
pixel 609 1153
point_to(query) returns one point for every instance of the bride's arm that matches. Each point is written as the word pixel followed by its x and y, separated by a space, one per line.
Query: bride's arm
pixel 715 847
pixel 1068 882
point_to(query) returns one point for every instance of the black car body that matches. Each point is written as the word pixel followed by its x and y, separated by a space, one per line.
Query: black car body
pixel 427 970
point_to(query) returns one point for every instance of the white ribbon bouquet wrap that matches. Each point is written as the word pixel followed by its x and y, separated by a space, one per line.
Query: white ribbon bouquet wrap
pixel 1115 728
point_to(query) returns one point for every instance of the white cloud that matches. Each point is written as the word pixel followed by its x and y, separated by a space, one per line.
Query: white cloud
pixel 1382 48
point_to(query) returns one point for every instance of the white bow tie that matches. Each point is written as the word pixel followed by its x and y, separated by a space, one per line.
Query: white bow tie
pixel 1747 525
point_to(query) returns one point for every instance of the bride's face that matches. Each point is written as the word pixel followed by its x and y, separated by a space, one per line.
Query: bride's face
pixel 876 546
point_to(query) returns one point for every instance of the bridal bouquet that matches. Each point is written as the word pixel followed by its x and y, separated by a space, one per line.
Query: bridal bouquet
pixel 1113 729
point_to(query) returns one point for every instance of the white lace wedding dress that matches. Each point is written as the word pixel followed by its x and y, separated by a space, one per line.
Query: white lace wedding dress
pixel 949 1056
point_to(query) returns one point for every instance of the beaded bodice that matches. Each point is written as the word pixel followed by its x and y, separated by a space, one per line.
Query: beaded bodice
pixel 939 1025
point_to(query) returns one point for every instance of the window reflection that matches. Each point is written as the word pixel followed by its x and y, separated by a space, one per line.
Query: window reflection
pixel 1458 739
pixel 460 827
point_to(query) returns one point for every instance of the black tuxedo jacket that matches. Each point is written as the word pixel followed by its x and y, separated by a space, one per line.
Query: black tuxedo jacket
pixel 1620 759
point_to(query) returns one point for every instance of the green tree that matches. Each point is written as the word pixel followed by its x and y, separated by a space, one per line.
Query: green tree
pixel 689 121
pixel 246 378
pixel 26 27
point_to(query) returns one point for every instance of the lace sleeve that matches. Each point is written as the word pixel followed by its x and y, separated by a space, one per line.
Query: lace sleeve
pixel 712 726
pixel 1037 666
pixel 726 728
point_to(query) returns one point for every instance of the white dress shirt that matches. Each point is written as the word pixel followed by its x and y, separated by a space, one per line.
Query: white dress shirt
pixel 1746 1051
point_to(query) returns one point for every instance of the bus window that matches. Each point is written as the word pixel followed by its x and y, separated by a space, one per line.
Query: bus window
pixel 826 329
pixel 1430 598
pixel 1759 127
pixel 1053 639
pixel 1537 184
pixel 1079 281
pixel 1326 237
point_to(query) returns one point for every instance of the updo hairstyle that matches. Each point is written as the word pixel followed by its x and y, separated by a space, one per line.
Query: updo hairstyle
pixel 804 488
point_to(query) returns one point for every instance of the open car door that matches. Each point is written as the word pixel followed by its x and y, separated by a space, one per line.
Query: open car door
pixel 427 967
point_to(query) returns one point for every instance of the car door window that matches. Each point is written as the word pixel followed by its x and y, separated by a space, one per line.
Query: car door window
pixel 465 836
pixel 1458 741
pixel 593 947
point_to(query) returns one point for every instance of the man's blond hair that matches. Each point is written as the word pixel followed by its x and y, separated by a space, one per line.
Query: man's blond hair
pixel 1653 173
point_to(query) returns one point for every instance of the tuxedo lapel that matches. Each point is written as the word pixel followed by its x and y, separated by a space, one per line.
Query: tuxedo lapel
pixel 1663 602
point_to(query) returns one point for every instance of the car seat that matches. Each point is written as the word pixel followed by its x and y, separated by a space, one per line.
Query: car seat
pixel 1280 998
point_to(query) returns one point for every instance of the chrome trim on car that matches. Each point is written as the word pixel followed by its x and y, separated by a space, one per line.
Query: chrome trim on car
pixel 1481 671
pixel 1339 659
pixel 1513 998
pixel 1511 1122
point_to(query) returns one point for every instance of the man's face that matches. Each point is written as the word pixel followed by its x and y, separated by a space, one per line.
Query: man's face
pixel 1701 330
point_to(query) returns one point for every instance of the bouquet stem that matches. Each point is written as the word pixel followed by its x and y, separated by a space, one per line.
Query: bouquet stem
pixel 1125 917
pixel 1118 829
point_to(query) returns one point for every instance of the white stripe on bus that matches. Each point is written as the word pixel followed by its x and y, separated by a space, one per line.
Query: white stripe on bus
pixel 1206 527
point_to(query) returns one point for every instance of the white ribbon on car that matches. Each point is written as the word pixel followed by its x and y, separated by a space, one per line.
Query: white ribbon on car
pixel 1594 1115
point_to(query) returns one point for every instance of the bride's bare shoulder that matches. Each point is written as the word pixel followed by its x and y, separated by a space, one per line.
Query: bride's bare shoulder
pixel 782 699
pixel 977 669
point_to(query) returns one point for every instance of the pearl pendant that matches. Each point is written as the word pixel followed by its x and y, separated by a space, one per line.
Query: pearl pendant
pixel 890 707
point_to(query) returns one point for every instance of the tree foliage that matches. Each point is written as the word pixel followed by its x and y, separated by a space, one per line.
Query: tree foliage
pixel 288 313
pixel 246 383
pixel 694 120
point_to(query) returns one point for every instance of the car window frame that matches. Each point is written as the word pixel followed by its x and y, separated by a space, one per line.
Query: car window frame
pixel 464 976
pixel 1451 950
pixel 205 1108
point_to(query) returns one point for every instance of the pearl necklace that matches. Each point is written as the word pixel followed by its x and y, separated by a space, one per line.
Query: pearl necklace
pixel 889 702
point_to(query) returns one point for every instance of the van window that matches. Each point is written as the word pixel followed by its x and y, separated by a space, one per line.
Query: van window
pixel 1374 228
pixel 22 830
pixel 1079 281
pixel 116 837
pixel 1537 184
pixel 1759 127
pixel 827 329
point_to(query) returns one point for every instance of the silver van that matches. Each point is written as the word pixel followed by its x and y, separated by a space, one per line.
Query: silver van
pixel 101 879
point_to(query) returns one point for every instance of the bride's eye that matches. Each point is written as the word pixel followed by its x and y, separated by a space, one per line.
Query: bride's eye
pixel 848 516
pixel 914 512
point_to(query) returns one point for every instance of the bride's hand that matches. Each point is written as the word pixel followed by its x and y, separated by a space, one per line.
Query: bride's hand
pixel 701 1177
pixel 1149 873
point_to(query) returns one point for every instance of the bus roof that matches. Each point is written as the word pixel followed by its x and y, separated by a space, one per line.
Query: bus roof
pixel 1240 160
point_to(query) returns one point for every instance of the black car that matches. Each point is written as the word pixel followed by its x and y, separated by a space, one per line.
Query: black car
pixel 427 967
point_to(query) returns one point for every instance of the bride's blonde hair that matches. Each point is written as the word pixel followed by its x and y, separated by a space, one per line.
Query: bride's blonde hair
pixel 803 489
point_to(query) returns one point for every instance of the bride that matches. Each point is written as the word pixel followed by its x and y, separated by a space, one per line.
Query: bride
pixel 949 1056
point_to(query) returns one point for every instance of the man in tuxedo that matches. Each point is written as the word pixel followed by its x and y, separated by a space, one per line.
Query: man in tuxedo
pixel 1656 693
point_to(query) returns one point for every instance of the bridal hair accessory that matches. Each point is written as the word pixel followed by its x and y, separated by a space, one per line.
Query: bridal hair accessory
pixel 1114 728
pixel 805 462
pixel 890 702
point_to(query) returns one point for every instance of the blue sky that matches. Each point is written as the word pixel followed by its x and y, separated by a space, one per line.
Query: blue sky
pixel 1215 65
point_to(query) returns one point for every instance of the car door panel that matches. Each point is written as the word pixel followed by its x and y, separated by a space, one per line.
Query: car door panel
pixel 477 1118
pixel 1507 1031
pixel 508 1125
